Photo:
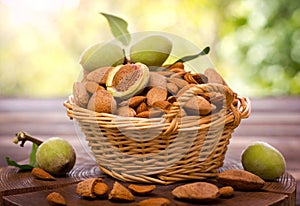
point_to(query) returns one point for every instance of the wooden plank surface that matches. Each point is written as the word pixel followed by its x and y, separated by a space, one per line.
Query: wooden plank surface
pixel 23 189
pixel 274 120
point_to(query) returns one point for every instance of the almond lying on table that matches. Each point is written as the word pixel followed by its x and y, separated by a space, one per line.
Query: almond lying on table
pixel 226 191
pixel 120 193
pixel 85 188
pixel 100 189
pixel 155 201
pixel 198 191
pixel 141 189
pixel 240 180
pixel 56 199
pixel 41 174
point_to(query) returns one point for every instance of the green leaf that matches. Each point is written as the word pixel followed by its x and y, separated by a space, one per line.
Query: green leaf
pixel 32 159
pixel 22 167
pixel 205 51
pixel 118 27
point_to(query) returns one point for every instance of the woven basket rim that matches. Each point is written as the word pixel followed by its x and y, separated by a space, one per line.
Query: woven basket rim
pixel 243 107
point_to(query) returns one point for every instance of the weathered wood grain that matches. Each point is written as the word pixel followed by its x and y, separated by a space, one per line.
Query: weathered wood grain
pixel 25 190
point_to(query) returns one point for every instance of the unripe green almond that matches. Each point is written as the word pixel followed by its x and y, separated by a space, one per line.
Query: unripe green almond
pixel 101 55
pixel 56 156
pixel 152 50
pixel 264 160
pixel 124 81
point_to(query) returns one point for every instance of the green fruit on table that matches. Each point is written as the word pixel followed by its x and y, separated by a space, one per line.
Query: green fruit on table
pixel 56 156
pixel 101 55
pixel 264 160
pixel 152 50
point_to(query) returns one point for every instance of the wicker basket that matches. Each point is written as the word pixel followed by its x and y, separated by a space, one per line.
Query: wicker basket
pixel 162 150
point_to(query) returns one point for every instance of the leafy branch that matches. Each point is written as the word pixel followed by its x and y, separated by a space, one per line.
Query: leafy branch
pixel 23 137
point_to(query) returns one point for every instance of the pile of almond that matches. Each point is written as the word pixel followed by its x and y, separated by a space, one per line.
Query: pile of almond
pixel 162 89
pixel 94 187
pixel 226 183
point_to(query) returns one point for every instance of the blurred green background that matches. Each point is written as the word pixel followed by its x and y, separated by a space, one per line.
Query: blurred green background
pixel 255 43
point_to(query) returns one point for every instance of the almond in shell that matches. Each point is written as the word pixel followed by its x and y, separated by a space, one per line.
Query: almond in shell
pixel 240 179
pixel 85 188
pixel 199 105
pixel 178 82
pixel 120 193
pixel 126 111
pixel 41 174
pixel 157 80
pixel 172 88
pixel 81 96
pixel 198 191
pixel 156 94
pixel 99 75
pixel 102 101
pixel 214 77
pixel 56 199
pixel 92 87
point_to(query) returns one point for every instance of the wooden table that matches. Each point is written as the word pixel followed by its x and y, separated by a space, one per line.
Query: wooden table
pixel 274 120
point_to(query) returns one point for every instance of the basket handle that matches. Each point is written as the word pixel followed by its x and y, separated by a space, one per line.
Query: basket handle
pixel 240 106
pixel 201 89
pixel 244 106
pixel 69 107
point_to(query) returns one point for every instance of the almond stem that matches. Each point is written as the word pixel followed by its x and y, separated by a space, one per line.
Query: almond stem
pixel 23 137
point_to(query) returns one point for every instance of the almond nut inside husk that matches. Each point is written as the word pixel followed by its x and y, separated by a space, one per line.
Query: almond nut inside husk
pixel 125 81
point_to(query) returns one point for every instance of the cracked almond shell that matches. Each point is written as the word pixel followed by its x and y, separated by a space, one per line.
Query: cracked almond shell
pixel 125 81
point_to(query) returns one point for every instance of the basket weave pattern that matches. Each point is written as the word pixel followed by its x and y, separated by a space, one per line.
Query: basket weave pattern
pixel 162 150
